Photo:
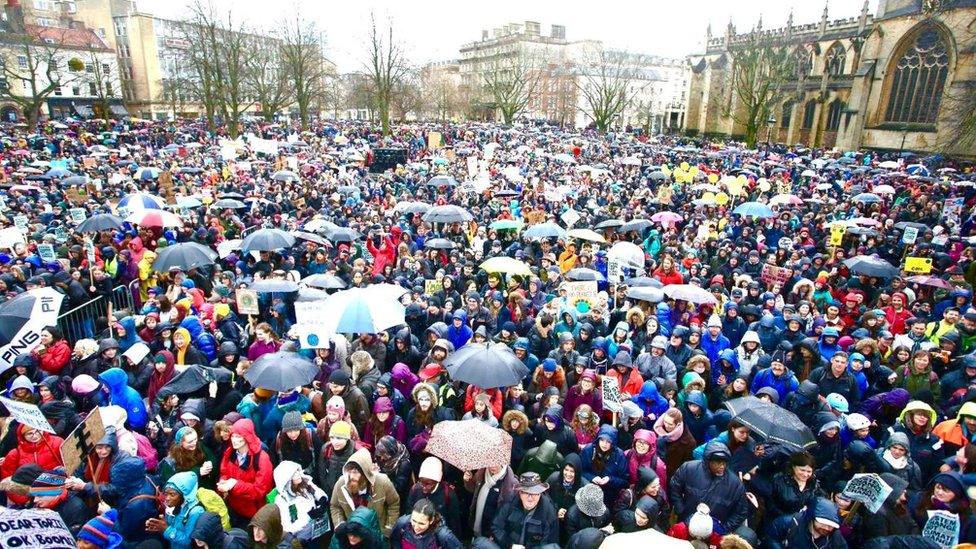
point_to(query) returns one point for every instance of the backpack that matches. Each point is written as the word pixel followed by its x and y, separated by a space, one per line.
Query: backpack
pixel 213 503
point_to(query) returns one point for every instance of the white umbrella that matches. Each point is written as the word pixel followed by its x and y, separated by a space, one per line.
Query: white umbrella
pixel 889 165
pixel 627 253
pixel 22 319
pixel 367 310
pixel 644 538
pixel 884 189
pixel 226 247
pixel 689 292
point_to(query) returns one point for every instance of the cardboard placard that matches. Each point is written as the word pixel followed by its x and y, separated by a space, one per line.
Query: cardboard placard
pixel 869 489
pixel 837 231
pixel 89 162
pixel 81 441
pixel 918 265
pixel 771 274
pixel 585 290
pixel 570 217
pixel 27 414
pixel 943 528
pixel 434 140
pixel 611 395
pixel 247 302
pixel 46 252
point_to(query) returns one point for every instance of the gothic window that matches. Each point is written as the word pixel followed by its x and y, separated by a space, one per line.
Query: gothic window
pixel 836 57
pixel 833 115
pixel 803 62
pixel 809 111
pixel 784 120
pixel 918 79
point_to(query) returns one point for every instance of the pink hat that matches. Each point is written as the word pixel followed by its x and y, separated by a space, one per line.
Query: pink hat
pixel 336 404
pixel 84 384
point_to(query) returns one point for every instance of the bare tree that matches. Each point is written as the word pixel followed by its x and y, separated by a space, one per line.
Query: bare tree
pixel 334 95
pixel 302 51
pixel 510 80
pixel 199 62
pixel 386 67
pixel 440 94
pixel 100 79
pixel 173 93
pixel 359 94
pixel 607 84
pixel 272 88
pixel 760 74
pixel 407 97
pixel 34 65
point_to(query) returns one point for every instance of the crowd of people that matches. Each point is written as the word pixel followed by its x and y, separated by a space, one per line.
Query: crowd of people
pixel 801 302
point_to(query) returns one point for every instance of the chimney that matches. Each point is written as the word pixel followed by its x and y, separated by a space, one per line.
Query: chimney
pixel 15 16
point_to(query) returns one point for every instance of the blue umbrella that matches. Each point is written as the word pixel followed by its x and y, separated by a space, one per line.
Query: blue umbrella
pixel 914 169
pixel 144 174
pixel 754 209
pixel 867 198
pixel 544 230
pixel 60 173
pixel 141 201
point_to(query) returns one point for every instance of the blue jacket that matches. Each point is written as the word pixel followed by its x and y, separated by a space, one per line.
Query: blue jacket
pixel 650 400
pixel 179 529
pixel 615 467
pixel 120 394
pixel 131 337
pixel 785 384
pixel 713 348
pixel 827 351
pixel 129 477
pixel 459 336
pixel 663 313
pixel 200 338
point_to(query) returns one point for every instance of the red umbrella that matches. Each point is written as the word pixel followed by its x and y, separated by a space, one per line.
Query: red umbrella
pixel 154 218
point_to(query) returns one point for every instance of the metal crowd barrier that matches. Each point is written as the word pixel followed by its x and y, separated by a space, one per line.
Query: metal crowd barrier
pixel 79 323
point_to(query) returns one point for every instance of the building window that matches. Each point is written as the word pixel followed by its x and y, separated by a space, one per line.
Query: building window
pixel 75 90
pixel 108 88
pixel 46 22
pixel 801 57
pixel 833 115
pixel 22 61
pixel 809 111
pixel 89 68
pixel 918 79
pixel 92 89
pixel 106 69
pixel 836 58
pixel 120 28
pixel 787 115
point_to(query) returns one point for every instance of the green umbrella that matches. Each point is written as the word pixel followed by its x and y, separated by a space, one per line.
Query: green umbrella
pixel 506 225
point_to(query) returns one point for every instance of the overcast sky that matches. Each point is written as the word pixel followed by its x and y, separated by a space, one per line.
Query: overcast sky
pixel 434 30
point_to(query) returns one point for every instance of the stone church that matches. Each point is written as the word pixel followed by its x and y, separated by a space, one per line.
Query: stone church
pixel 892 80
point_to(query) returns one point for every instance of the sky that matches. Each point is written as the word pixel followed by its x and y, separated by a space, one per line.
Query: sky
pixel 434 30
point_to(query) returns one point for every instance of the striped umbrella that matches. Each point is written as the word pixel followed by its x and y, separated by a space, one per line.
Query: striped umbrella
pixel 154 218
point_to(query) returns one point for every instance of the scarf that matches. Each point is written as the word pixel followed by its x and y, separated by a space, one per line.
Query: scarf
pixel 896 463
pixel 674 435
pixel 483 492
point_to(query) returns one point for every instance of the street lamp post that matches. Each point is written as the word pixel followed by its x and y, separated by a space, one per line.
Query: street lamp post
pixel 769 128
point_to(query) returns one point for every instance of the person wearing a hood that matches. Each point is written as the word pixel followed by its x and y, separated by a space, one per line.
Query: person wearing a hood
pixel 548 374
pixel 629 381
pixel 768 334
pixel 125 333
pixel 897 459
pixel 182 511
pixel 773 373
pixel 917 422
pixel 709 481
pixel 564 483
pixel 897 313
pixel 828 345
pixel 210 531
pixel 553 427
pixel 246 474
pixel 945 492
pixel 432 486
pixel 585 391
pixel 109 355
pixel 33 446
pixel 393 460
pixel 675 442
pixel 266 531
pixel 565 354
pixel 362 486
pixel 458 333
pixel 340 384
pixel 403 351
pixel 301 503
pixel 403 379
pixel 60 411
pixel 360 531
pixel 645 515
pixel 698 419
pixel 750 352
pixel 815 527
pixel 653 364
pixel 678 350
pixel 650 401
pixel 120 394
pixel 917 377
pixel 604 464
pixel 643 454
pixel 365 374
pixel 184 351
pixel 958 432
pixel 894 518
pixel 228 355
pixel 53 353
pixel 164 369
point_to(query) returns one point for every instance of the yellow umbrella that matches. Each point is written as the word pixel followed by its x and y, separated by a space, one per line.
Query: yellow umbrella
pixel 506 265
pixel 586 234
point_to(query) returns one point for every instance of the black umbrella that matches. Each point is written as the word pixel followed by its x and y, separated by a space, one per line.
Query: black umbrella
pixel 870 265
pixel 771 422
pixel 100 222
pixel 274 285
pixel 343 234
pixel 582 273
pixel 507 193
pixel 190 170
pixel 486 366
pixel 609 224
pixel 192 379
pixel 639 225
pixel 324 281
pixel 447 214
pixel 281 371
pixel 231 203
pixel 442 181
pixel 267 240
pixel 185 255
pixel 902 225
pixel 235 196
pixel 644 281
pixel 439 244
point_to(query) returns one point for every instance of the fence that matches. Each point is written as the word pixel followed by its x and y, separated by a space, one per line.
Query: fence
pixel 79 323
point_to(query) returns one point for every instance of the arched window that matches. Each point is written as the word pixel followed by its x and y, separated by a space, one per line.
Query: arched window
pixel 809 111
pixel 787 117
pixel 918 79
pixel 836 58
pixel 833 115
pixel 802 62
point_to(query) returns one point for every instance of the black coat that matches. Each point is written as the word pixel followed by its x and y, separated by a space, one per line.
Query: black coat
pixel 693 483
pixel 514 525
pixel 576 521
pixel 787 498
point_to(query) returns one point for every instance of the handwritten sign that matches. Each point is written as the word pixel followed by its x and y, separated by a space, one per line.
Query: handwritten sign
pixel 615 273
pixel 771 274
pixel 585 290
pixel 30 528
pixel 78 215
pixel 837 231
pixel 46 253
pixel 570 217
pixel 434 140
pixel 81 441
pixel 918 265
pixel 910 235
pixel 90 252
pixel 27 414
pixel 611 395
pixel 20 221
pixel 247 302
pixel 869 489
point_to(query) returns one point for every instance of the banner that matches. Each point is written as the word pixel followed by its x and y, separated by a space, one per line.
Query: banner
pixel 247 302
pixel 472 166
pixel 432 286
pixel 265 146
pixel 81 441
pixel 943 528
pixel 611 395
pixel 771 274
pixel 615 273
pixel 869 489
pixel 29 528
pixel 585 290
pixel 310 325
pixel 837 231
pixel 44 312
pixel 27 414
pixel 918 265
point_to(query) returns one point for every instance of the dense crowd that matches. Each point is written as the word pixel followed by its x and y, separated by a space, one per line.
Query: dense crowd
pixel 727 282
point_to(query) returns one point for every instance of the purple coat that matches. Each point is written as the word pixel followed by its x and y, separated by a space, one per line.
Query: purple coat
pixel 575 398
pixel 403 379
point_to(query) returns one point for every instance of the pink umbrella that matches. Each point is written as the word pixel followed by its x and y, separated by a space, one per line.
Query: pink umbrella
pixel 154 218
pixel 667 218
pixel 866 221
pixel 929 280
pixel 786 199
pixel 470 444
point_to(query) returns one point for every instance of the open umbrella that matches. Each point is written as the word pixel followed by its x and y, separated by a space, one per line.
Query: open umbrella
pixel 929 280
pixel 185 255
pixel 643 281
pixel 628 254
pixel 447 214
pixel 416 208
pixel 228 203
pixel 226 247
pixel 771 422
pixel 867 198
pixel 22 319
pixel 281 371
pixel 639 225
pixel 609 224
pixel 544 230
pixel 506 225
pixel 786 200
pixel 505 264
pixel 690 293
pixel 667 218
pixel 442 181
pixel 486 366
pixel 154 218
pixel 310 237
pixel 754 209
pixel 870 265
pixel 284 175
pixel 100 222
pixel 646 293
pixel 141 201
pixel 363 310
pixel 470 444
pixel 194 378
pixel 582 273
pixel 658 176
pixel 274 285
pixel 439 244
pixel 324 281
pixel 586 234
pixel 343 234
pixel 267 240
pixel 884 189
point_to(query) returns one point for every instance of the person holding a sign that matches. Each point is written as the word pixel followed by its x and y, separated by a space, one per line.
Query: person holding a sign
pixel 946 492
pixel 33 447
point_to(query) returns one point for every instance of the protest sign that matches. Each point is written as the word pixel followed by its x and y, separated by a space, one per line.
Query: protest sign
pixel 489 150
pixel 585 290
pixel 11 236
pixel 310 324
pixel 81 441
pixel 611 395
pixel 78 215
pixel 943 528
pixel 869 489
pixel 90 252
pixel 20 221
pixel 46 253
pixel 771 274
pixel 60 234
pixel 910 235
pixel 434 140
pixel 88 161
pixel 247 302
pixel 30 528
pixel 570 217
pixel 27 414
pixel 432 286
pixel 615 273
pixel 472 166
pixel 918 265
pixel 837 231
